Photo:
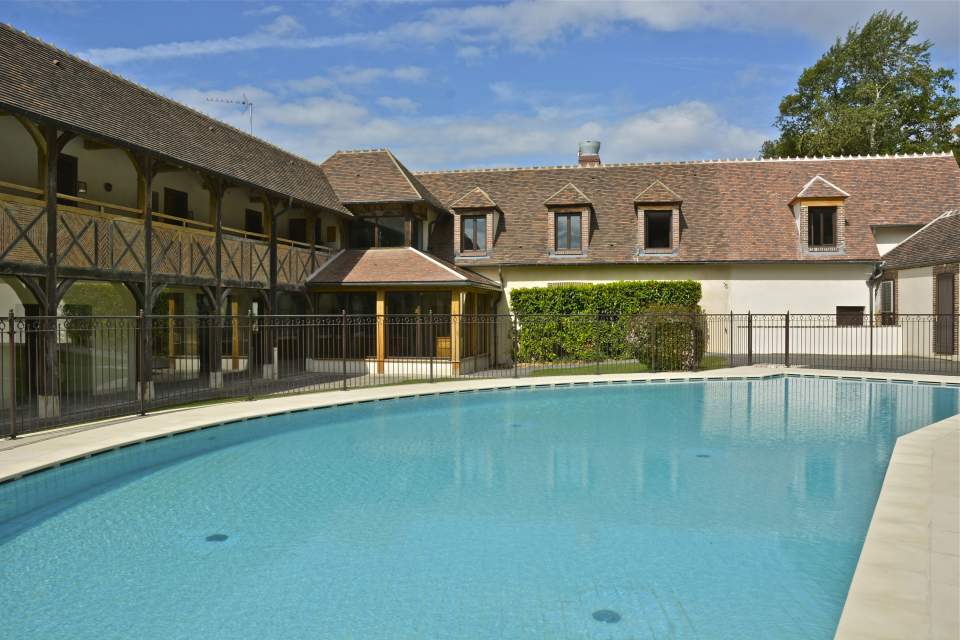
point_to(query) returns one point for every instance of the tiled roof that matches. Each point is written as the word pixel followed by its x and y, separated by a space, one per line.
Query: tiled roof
pixel 374 175
pixel 476 198
pixel 658 192
pixel 39 80
pixel 396 266
pixel 567 194
pixel 820 187
pixel 736 211
pixel 936 243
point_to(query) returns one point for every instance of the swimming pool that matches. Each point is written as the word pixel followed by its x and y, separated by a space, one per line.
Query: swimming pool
pixel 722 509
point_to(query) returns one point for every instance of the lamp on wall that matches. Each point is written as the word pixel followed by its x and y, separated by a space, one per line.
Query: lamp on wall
pixel 81 187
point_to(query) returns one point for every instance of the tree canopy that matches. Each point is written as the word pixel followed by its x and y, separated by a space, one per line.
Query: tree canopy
pixel 873 92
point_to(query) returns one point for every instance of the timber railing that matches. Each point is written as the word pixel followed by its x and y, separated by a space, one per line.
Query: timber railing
pixel 98 237
pixel 71 369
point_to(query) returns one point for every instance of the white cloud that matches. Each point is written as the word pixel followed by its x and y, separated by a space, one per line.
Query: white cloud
pixel 315 126
pixel 355 76
pixel 264 10
pixel 527 25
pixel 405 105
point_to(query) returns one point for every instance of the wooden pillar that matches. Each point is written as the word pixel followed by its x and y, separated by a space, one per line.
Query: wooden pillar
pixel 455 311
pixel 381 329
pixel 172 334
pixel 146 170
pixel 235 333
pixel 48 399
pixel 312 238
pixel 217 187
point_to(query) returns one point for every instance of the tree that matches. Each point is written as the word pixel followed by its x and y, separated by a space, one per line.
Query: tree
pixel 874 92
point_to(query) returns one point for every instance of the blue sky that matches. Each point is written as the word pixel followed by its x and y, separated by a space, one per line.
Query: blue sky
pixel 457 84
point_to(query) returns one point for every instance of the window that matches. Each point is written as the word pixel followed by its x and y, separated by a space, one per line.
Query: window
pixel 473 233
pixel 887 306
pixel 363 234
pixel 176 203
pixel 253 221
pixel 416 233
pixel 821 226
pixel 298 229
pixel 391 231
pixel 567 232
pixel 658 229
pixel 849 316
pixel 331 233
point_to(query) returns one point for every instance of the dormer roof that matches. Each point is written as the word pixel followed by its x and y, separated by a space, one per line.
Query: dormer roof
pixel 476 198
pixel 567 195
pixel 820 187
pixel 657 192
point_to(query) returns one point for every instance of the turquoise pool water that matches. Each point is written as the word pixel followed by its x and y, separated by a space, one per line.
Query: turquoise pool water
pixel 690 510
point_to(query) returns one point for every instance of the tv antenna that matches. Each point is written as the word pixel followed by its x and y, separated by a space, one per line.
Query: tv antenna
pixel 246 104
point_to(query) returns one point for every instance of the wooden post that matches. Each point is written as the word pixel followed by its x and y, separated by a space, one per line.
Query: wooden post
pixel 381 329
pixel 146 169
pixel 171 334
pixel 455 310
pixel 50 392
pixel 235 327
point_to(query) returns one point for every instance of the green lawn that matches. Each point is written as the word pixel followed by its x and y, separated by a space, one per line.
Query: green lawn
pixel 709 362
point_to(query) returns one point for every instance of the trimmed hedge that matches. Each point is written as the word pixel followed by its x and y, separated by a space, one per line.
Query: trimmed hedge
pixel 592 322
pixel 620 298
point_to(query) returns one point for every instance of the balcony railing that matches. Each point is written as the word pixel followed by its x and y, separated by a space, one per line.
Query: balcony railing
pixel 100 237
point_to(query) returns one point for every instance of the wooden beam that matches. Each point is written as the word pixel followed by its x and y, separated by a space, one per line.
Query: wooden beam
pixel 455 310
pixel 381 329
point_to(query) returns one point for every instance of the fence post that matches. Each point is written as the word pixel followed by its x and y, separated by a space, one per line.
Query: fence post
pixel 516 346
pixel 141 361
pixel 343 346
pixel 431 347
pixel 786 340
pixel 250 354
pixel 730 358
pixel 11 362
pixel 871 331
pixel 596 335
pixel 653 347
pixel 749 338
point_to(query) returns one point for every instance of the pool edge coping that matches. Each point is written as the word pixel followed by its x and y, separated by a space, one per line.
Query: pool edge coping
pixel 906 580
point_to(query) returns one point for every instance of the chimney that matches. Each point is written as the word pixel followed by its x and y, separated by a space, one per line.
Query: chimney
pixel 589 154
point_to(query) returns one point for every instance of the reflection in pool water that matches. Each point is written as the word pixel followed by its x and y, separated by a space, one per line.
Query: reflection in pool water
pixel 702 510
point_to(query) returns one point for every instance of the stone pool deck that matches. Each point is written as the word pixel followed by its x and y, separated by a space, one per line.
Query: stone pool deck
pixel 906 584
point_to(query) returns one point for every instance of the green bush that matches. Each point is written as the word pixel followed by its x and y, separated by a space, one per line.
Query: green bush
pixel 667 338
pixel 590 321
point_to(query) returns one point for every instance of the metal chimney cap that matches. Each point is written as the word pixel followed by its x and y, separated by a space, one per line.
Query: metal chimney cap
pixel 589 148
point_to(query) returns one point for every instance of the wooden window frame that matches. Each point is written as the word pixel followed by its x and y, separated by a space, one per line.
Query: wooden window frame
pixel 646 230
pixel 479 221
pixel 568 249
pixel 819 211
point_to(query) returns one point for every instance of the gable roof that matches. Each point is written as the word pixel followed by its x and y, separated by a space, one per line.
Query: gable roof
pixel 936 243
pixel 374 175
pixel 394 266
pixel 476 198
pixel 733 211
pixel 40 81
pixel 567 194
pixel 658 192
pixel 820 187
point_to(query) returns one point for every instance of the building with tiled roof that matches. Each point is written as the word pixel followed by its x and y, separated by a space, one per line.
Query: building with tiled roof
pixel 105 181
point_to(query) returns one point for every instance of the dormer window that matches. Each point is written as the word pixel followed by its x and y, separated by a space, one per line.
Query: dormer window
pixel 822 226
pixel 568 232
pixel 658 228
pixel 473 234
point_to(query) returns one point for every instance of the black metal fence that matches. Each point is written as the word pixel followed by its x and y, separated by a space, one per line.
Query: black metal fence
pixel 71 369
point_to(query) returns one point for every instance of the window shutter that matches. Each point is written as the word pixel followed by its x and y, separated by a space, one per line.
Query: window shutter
pixel 886 296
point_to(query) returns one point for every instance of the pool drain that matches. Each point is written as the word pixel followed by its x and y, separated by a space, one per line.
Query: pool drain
pixel 217 537
pixel 606 615
pixel 703 455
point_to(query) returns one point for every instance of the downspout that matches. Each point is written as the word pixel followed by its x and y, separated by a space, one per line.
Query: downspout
pixel 873 279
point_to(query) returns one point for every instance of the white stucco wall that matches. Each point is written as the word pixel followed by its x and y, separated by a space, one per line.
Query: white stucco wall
pixel 889 237
pixel 739 288
pixel 915 291
pixel 18 162
pixel 99 167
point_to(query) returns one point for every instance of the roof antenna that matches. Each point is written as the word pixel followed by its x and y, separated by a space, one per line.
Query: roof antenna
pixel 246 104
